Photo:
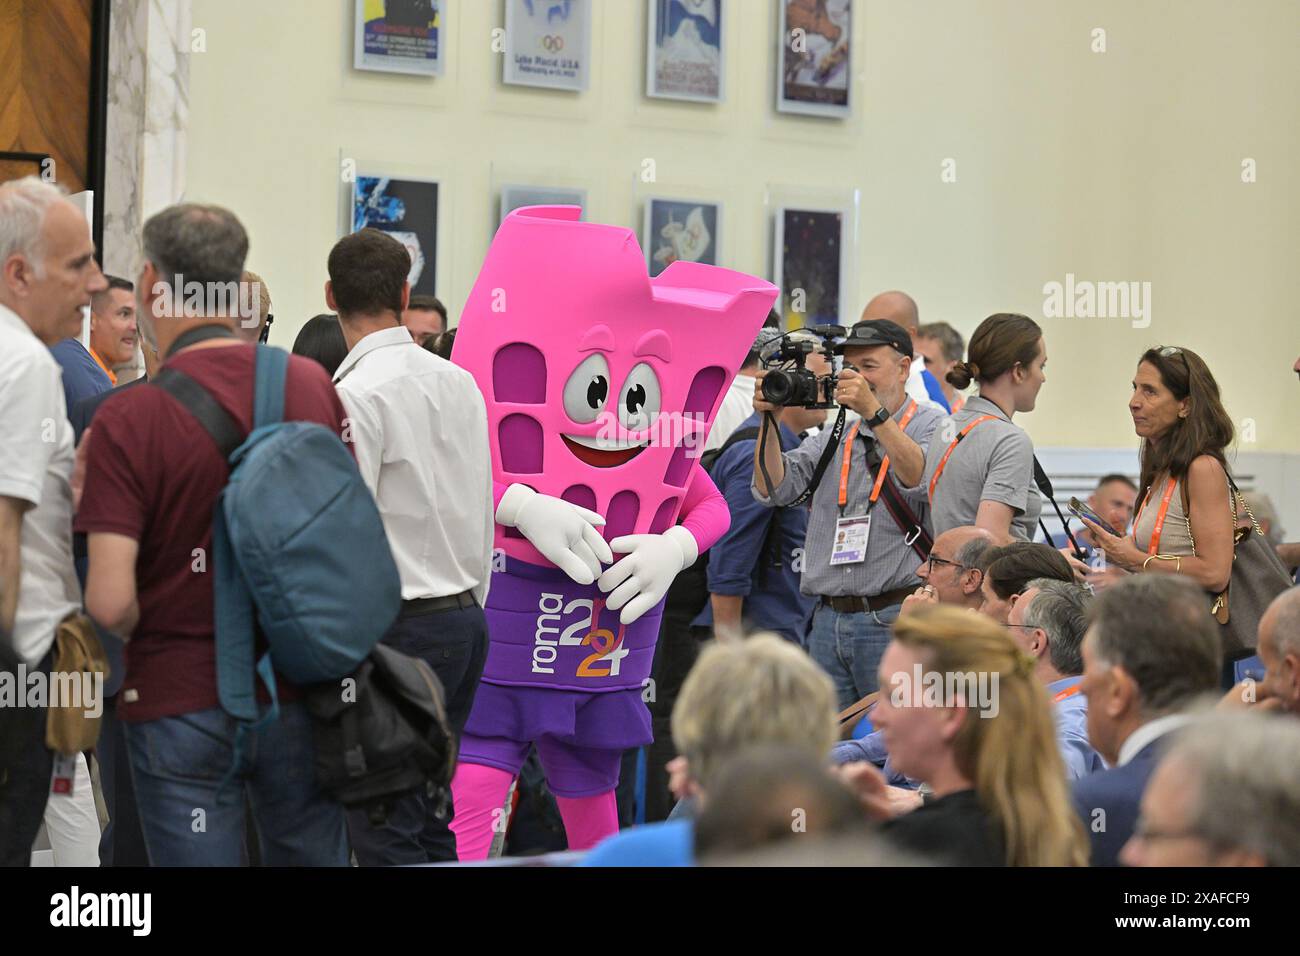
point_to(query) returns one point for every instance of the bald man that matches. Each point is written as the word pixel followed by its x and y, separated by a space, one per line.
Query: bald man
pixel 1279 650
pixel 901 308
pixel 950 574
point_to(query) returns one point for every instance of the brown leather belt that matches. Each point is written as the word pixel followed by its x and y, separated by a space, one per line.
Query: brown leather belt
pixel 860 605
pixel 418 606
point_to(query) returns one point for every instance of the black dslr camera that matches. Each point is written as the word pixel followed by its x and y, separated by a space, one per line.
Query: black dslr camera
pixel 788 382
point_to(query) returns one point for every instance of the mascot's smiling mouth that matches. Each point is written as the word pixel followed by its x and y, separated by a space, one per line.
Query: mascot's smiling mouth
pixel 602 452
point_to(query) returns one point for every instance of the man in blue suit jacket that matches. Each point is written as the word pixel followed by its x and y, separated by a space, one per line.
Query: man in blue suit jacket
pixel 1150 651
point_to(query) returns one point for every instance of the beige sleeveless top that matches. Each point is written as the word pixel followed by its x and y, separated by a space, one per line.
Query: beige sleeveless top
pixel 1175 536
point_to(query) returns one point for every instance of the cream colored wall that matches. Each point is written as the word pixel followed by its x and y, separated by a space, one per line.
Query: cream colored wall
pixel 1115 166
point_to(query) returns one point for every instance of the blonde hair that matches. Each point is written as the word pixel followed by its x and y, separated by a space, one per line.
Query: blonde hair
pixel 762 690
pixel 1012 757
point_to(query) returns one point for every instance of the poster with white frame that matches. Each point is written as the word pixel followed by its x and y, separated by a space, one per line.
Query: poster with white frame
pixel 400 36
pixel 406 209
pixel 516 197
pixel 680 230
pixel 814 57
pixel 548 44
pixel 809 264
pixel 684 57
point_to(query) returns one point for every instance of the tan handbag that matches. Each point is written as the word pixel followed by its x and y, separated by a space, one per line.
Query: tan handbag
pixel 76 697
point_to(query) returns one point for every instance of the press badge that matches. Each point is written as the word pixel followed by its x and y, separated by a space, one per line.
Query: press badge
pixel 65 772
pixel 850 545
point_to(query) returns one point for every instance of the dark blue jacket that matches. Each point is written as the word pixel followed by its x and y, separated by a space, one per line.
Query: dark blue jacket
pixel 1116 793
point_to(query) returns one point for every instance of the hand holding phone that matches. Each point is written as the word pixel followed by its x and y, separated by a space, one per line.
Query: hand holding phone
pixel 1081 510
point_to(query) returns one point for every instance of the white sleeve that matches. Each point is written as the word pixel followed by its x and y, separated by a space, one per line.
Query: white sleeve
pixel 31 413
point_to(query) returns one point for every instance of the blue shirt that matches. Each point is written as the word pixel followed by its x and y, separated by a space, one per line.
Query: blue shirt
pixel 1071 716
pixel 935 390
pixel 773 601
pixel 671 843
pixel 82 376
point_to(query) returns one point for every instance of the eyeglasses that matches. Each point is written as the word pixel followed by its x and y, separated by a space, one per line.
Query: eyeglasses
pixel 932 560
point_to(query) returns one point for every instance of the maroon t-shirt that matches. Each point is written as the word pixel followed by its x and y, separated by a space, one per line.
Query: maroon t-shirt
pixel 153 474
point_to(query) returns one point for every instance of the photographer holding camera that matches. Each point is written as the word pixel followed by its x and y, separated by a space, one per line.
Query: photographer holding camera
pixel 866 528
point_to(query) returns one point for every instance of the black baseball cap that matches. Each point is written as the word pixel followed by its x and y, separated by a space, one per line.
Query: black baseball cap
pixel 877 332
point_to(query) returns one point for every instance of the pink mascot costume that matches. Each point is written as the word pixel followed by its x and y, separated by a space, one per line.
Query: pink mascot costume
pixel 601 385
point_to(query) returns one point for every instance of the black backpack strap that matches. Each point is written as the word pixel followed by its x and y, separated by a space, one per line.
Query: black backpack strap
pixel 914 533
pixel 198 401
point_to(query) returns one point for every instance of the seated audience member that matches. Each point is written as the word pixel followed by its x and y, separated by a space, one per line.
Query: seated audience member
pixel 1279 650
pixel 987 748
pixel 742 694
pixel 425 316
pixel 770 795
pixel 1011 568
pixel 1227 793
pixel 321 340
pixel 1048 623
pixel 951 573
pixel 1113 499
pixel 1150 651
pixel 753 570
pixel 152 477
pixel 252 327
pixel 943 347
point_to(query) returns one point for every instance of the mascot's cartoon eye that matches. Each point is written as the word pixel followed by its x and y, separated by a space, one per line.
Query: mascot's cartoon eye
pixel 638 404
pixel 587 389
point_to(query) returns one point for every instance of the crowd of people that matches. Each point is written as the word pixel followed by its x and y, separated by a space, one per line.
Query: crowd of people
pixel 885 660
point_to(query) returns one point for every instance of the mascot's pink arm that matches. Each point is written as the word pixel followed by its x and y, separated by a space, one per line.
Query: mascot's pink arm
pixel 704 513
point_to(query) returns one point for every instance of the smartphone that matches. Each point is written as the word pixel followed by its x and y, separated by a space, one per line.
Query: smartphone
pixel 1083 511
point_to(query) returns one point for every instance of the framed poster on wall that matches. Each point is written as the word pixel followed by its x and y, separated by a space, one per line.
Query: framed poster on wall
pixel 548 43
pixel 516 197
pixel 684 59
pixel 680 230
pixel 815 57
pixel 400 36
pixel 809 265
pixel 406 209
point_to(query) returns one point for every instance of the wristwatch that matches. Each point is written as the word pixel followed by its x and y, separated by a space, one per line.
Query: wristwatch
pixel 878 419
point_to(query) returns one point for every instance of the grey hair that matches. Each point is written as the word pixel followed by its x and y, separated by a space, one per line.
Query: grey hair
pixel 204 244
pixel 1285 610
pixel 1158 628
pixel 1261 505
pixel 969 554
pixel 1061 609
pixel 1246 790
pixel 949 339
pixel 24 204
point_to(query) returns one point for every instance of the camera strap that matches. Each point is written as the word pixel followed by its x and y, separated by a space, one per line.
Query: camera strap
pixel 837 432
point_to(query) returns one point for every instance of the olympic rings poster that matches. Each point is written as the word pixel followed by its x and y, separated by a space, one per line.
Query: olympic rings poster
pixel 548 43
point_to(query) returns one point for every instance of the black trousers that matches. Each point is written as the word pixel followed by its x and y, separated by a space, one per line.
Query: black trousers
pixel 454 643
pixel 122 843
pixel 26 766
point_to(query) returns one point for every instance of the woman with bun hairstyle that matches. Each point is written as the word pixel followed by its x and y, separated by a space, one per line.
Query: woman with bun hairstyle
pixel 981 470
pixel 1184 522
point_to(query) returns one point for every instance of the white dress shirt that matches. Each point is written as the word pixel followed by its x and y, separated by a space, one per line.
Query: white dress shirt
pixel 36 455
pixel 1150 731
pixel 419 427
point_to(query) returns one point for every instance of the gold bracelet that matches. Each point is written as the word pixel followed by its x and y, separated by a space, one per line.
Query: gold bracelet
pixel 1178 567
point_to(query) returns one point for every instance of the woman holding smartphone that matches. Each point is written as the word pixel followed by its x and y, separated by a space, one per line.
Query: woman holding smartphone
pixel 981 470
pixel 1183 524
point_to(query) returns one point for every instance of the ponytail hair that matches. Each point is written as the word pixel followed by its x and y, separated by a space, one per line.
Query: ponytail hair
pixel 1001 342
pixel 1012 756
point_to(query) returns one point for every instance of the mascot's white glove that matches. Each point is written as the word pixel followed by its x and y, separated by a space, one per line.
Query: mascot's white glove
pixel 640 580
pixel 565 534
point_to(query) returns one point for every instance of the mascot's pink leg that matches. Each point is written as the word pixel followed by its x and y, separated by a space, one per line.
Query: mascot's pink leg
pixel 478 794
pixel 587 820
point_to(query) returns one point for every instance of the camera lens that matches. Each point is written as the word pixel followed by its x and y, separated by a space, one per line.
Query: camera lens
pixel 778 387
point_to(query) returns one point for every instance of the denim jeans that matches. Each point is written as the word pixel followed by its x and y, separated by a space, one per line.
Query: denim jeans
pixel 454 644
pixel 849 648
pixel 178 764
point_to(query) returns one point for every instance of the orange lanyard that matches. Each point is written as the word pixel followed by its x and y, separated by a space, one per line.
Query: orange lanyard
pixel 1060 695
pixel 847 458
pixel 944 460
pixel 1160 517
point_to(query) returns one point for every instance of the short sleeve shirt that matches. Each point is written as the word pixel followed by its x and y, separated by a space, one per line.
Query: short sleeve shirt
pixel 994 462
pixel 153 474
pixel 36 456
